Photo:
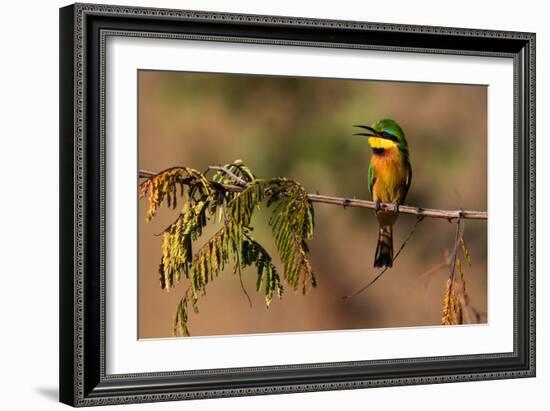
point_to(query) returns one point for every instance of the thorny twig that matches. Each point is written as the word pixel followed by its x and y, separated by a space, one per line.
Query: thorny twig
pixel 354 202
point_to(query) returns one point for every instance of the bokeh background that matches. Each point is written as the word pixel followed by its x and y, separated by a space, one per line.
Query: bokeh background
pixel 301 128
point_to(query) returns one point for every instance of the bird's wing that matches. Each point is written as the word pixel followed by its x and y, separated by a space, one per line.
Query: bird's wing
pixel 408 182
pixel 371 178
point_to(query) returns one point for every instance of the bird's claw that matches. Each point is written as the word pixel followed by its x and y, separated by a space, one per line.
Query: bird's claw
pixel 395 207
pixel 377 206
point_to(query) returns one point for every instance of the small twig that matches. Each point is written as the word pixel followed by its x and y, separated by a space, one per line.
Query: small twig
pixel 189 181
pixel 149 174
pixel 146 174
pixel 237 270
pixel 418 220
pixel 234 176
pixel 433 270
pixel 243 287
pixel 430 272
pixel 453 261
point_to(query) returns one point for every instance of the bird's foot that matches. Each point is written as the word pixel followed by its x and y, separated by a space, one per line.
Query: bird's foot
pixel 395 207
pixel 377 206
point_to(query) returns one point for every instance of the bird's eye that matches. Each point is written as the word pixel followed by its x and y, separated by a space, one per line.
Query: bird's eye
pixel 390 136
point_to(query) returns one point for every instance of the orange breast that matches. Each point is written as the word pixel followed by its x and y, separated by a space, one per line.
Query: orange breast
pixel 390 171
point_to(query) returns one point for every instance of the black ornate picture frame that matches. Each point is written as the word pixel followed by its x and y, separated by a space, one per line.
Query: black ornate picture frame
pixel 83 378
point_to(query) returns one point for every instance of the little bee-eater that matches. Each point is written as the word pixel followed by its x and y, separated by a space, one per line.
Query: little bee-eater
pixel 389 179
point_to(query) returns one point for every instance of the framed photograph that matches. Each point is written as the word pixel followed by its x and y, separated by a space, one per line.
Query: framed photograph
pixel 261 204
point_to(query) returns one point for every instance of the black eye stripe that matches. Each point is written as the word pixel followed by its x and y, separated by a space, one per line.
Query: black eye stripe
pixel 389 136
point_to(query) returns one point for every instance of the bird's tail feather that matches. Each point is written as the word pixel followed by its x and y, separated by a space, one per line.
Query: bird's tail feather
pixel 384 249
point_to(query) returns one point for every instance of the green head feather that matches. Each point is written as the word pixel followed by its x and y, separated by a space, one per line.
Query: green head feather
pixel 387 125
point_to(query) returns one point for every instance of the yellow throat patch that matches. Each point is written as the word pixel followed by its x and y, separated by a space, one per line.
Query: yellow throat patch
pixel 377 142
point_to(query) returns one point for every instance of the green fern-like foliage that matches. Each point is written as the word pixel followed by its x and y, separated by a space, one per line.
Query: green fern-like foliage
pixel 230 197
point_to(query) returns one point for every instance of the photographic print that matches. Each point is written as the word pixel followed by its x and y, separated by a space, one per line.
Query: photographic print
pixel 260 204
pixel 272 204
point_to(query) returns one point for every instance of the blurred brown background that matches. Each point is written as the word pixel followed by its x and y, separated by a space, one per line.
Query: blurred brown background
pixel 302 128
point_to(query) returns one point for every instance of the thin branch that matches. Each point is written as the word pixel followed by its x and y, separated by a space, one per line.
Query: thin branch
pixel 353 202
pixel 346 297
pixel 429 274
pixel 403 209
pixel 455 251
pixel 237 270
pixel 146 174
pixel 435 269
pixel 234 176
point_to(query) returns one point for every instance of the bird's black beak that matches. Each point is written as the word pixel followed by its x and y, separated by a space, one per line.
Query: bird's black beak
pixel 372 131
